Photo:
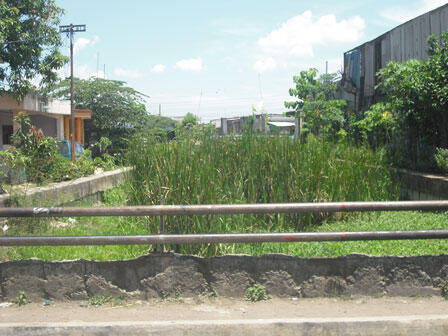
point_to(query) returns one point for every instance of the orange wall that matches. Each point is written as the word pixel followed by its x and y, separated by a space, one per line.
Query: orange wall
pixel 79 129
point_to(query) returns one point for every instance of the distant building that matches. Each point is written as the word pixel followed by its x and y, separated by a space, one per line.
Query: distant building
pixel 50 115
pixel 177 119
pixel 407 41
pixel 261 123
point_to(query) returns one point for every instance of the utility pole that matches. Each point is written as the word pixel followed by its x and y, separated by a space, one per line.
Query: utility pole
pixel 70 29
pixel 97 64
pixel 160 110
pixel 200 101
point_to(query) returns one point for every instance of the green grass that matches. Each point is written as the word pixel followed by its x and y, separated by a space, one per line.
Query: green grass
pixel 83 226
pixel 126 226
pixel 387 221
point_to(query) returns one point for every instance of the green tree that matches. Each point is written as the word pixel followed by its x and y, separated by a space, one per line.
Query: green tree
pixel 190 120
pixel 380 124
pixel 416 94
pixel 192 129
pixel 29 44
pixel 160 127
pixel 118 111
pixel 316 101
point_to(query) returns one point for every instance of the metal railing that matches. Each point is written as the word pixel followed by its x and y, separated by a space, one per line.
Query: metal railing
pixel 222 209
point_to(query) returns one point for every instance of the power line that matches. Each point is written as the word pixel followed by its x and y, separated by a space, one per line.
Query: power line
pixel 221 100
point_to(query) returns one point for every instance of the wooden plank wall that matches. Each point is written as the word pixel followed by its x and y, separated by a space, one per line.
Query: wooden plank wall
pixel 407 41
pixel 369 79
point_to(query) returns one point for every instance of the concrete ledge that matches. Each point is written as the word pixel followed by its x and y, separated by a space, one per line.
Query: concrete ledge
pixel 406 326
pixel 69 191
pixel 158 276
pixel 420 186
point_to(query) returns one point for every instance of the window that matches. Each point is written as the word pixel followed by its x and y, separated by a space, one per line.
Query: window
pixel 7 131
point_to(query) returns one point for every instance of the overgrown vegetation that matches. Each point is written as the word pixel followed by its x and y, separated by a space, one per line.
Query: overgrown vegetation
pixel 409 129
pixel 411 123
pixel 35 156
pixel 251 169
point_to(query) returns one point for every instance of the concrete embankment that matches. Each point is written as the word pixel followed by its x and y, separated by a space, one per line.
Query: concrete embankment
pixel 169 275
pixel 421 186
pixel 66 192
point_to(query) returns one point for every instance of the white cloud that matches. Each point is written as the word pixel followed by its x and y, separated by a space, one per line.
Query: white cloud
pixel 158 68
pixel 128 73
pixel 235 27
pixel 402 14
pixel 265 64
pixel 83 71
pixel 82 43
pixel 297 36
pixel 191 64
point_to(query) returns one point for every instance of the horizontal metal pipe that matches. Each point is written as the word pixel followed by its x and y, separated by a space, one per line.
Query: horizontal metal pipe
pixel 223 209
pixel 223 238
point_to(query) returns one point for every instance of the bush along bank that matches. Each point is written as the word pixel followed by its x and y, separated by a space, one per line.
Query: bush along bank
pixel 34 158
pixel 252 169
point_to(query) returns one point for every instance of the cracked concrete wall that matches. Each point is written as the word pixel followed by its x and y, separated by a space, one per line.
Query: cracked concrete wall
pixel 66 192
pixel 163 275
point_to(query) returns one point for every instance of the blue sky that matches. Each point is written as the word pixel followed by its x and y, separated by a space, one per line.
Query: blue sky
pixel 220 58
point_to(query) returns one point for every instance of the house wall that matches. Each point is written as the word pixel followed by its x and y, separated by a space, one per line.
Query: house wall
pixel 407 41
pixel 33 102
pixel 45 113
pixel 47 124
pixel 9 103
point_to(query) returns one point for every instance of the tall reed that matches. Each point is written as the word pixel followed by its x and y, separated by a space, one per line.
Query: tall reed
pixel 251 169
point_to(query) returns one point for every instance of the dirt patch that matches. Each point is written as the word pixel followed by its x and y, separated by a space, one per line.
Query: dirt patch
pixel 160 275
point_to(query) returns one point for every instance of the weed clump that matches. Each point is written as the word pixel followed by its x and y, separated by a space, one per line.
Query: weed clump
pixel 101 300
pixel 256 293
pixel 22 299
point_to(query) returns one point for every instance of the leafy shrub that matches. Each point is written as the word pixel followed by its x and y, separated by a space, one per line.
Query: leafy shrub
pixel 13 164
pixel 62 169
pixel 107 162
pixel 22 299
pixel 83 167
pixel 37 154
pixel 103 144
pixel 256 293
pixel 37 148
pixel 441 158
